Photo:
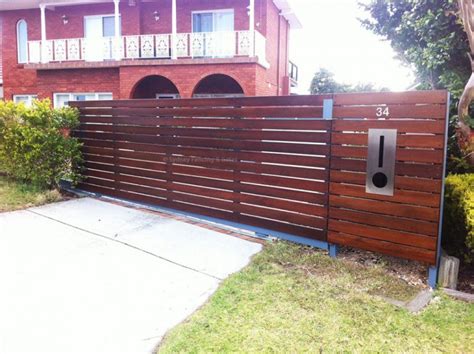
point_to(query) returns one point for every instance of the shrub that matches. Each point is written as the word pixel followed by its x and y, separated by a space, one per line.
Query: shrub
pixel 458 225
pixel 33 147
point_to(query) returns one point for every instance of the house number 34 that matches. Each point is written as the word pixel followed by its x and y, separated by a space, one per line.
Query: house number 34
pixel 382 112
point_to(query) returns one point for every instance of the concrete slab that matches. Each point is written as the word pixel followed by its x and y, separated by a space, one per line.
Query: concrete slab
pixel 207 251
pixel 67 290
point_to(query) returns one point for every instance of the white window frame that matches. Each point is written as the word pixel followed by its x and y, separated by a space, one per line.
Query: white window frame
pixel 18 41
pixel 72 94
pixel 29 99
pixel 102 18
pixel 213 19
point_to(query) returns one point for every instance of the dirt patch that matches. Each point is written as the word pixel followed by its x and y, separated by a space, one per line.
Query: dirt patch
pixel 466 279
pixel 412 272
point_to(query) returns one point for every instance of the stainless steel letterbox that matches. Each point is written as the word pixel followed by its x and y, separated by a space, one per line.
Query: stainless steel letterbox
pixel 382 148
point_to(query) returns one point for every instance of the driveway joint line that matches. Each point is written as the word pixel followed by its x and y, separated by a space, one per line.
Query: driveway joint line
pixel 125 244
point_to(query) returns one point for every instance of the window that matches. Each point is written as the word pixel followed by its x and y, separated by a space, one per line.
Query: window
pixel 213 21
pixel 214 31
pixel 26 99
pixel 22 41
pixel 63 99
pixel 96 29
pixel 100 26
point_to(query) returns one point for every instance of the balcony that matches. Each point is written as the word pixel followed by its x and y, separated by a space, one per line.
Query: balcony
pixel 232 44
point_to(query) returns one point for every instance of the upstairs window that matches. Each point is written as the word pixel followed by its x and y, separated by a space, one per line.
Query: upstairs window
pixel 100 26
pixel 22 41
pixel 213 21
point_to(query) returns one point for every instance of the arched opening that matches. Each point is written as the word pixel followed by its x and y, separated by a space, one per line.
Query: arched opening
pixel 155 86
pixel 22 41
pixel 218 85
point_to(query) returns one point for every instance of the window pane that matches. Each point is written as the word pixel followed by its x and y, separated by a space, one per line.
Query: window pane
pixel 93 27
pixel 22 41
pixel 27 100
pixel 108 26
pixel 202 22
pixel 61 100
pixel 224 21
pixel 105 96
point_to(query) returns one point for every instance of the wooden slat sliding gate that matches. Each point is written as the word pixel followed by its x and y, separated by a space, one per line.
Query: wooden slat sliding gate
pixel 293 167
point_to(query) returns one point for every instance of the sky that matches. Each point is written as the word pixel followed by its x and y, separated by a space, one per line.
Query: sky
pixel 333 38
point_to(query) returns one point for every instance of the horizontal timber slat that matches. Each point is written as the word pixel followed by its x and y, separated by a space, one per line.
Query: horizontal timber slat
pixel 313 100
pixel 181 152
pixel 401 182
pixel 267 112
pixel 409 155
pixel 222 134
pixel 408 197
pixel 378 233
pixel 413 141
pixel 403 126
pixel 387 221
pixel 300 148
pixel 379 207
pixel 162 125
pixel 431 111
pixel 384 247
pixel 401 168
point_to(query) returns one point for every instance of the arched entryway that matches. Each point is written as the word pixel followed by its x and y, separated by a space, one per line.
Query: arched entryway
pixel 218 85
pixel 155 86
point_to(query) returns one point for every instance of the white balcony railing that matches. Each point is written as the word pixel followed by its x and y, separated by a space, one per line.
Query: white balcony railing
pixel 148 46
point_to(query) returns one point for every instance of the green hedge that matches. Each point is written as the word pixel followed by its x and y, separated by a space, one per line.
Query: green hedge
pixel 458 225
pixel 34 146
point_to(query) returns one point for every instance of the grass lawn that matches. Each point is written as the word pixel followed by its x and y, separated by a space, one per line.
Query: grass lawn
pixel 15 195
pixel 293 299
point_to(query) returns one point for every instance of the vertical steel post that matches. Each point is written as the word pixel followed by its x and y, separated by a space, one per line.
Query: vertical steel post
pixel 328 106
pixel 433 271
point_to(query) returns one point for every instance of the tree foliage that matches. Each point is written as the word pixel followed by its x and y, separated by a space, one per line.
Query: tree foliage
pixel 325 82
pixel 426 35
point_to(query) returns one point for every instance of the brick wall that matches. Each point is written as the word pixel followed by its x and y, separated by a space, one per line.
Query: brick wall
pixel 135 20
pixel 80 81
pixel 187 77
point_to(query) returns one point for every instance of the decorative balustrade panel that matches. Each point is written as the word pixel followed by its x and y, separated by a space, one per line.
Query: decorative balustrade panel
pixel 47 51
pixel 181 44
pixel 59 50
pixel 132 47
pixel 147 46
pixel 73 49
pixel 163 48
pixel 244 43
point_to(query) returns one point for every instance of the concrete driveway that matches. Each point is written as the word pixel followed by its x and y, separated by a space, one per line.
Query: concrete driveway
pixel 90 276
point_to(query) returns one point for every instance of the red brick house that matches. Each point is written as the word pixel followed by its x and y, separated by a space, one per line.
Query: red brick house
pixel 95 49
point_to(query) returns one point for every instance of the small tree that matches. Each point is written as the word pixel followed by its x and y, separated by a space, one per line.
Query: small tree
pixel 324 82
